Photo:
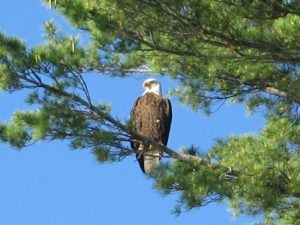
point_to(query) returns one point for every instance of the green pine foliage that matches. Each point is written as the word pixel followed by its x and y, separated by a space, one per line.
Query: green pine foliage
pixel 231 50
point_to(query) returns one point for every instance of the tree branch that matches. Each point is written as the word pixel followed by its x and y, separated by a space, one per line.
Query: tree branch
pixel 98 113
pixel 261 86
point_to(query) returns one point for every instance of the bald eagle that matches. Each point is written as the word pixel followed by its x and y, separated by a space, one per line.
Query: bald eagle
pixel 152 116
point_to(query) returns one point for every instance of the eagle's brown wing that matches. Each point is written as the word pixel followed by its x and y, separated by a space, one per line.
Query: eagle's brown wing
pixel 167 121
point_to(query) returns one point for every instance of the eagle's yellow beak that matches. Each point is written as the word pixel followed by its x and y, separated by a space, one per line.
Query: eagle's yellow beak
pixel 148 84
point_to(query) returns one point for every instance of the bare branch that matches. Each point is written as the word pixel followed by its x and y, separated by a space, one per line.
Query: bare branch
pixel 100 114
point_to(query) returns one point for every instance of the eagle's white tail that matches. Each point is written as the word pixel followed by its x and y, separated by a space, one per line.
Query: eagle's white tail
pixel 151 160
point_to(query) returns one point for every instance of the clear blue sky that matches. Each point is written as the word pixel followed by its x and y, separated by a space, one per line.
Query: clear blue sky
pixel 49 184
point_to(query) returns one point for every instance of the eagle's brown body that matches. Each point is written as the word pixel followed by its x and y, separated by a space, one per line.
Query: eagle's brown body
pixel 152 116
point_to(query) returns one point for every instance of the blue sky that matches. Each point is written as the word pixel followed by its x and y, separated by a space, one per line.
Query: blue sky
pixel 50 184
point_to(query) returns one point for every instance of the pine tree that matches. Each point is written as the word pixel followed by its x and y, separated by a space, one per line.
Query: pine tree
pixel 229 50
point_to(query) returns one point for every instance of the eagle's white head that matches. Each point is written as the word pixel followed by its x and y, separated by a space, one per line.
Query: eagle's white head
pixel 152 85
